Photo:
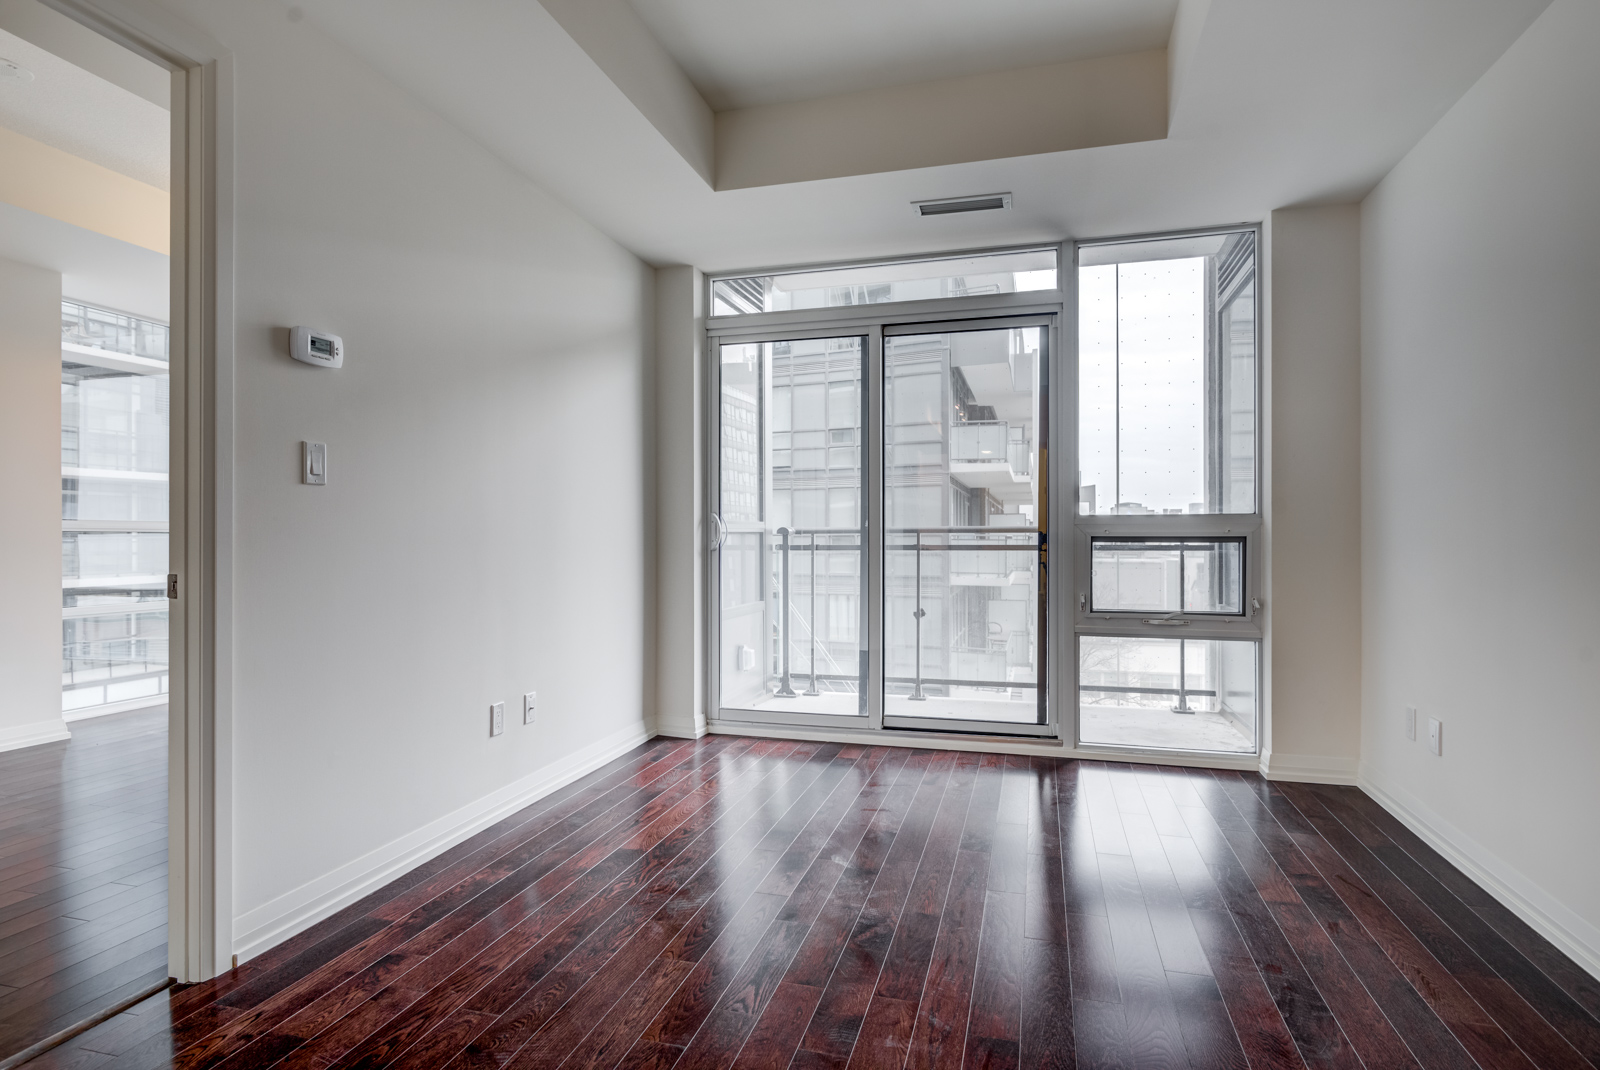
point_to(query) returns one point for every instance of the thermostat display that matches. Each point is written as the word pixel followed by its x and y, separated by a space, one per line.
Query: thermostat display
pixel 316 347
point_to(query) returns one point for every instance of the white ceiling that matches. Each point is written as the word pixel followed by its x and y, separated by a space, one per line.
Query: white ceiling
pixel 68 108
pixel 1279 102
pixel 94 268
pixel 741 53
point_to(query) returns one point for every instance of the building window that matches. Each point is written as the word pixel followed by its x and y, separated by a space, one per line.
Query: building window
pixel 115 418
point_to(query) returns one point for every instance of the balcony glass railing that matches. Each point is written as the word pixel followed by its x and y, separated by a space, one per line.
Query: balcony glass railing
pixel 992 442
pixel 115 332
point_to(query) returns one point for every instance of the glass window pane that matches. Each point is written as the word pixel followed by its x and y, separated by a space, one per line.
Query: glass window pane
pixel 961 559
pixel 1168 694
pixel 791 573
pixel 1167 371
pixel 909 280
pixel 114 438
pixel 1167 576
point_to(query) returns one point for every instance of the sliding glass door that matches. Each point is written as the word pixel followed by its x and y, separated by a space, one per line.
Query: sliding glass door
pixel 791 567
pixel 962 480
pixel 881 527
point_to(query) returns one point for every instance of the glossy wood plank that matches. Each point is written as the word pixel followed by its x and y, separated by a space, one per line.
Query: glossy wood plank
pixel 777 1032
pixel 799 770
pixel 728 902
pixel 720 1037
pixel 639 954
pixel 83 851
pixel 683 851
pixel 419 928
pixel 940 1036
pixel 1303 1009
pixel 849 992
pixel 1489 1018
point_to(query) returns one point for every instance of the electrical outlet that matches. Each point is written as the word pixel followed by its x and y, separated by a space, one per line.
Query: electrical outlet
pixel 530 702
pixel 497 718
pixel 1435 736
pixel 1411 722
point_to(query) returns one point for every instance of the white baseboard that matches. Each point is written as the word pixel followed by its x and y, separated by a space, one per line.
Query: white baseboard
pixel 109 708
pixel 295 911
pixel 1308 768
pixel 31 735
pixel 1572 935
pixel 680 729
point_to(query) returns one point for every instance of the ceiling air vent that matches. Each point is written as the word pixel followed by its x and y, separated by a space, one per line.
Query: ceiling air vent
pixel 989 202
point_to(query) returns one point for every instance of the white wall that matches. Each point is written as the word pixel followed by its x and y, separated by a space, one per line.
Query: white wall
pixel 30 516
pixel 1314 515
pixel 484 528
pixel 1481 478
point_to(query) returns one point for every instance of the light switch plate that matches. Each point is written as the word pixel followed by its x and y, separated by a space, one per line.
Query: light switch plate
pixel 1435 736
pixel 314 463
pixel 530 702
pixel 497 718
pixel 1411 722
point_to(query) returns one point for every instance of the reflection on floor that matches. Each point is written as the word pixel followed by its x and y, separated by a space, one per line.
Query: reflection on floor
pixel 83 874
pixel 735 902
pixel 969 704
pixel 1161 729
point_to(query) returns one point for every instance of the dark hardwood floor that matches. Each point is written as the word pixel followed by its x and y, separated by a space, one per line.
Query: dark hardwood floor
pixel 762 904
pixel 83 873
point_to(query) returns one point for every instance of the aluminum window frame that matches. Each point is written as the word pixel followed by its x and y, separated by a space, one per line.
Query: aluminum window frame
pixel 1057 311
pixel 713 572
pixel 1174 542
pixel 713 277
pixel 1248 526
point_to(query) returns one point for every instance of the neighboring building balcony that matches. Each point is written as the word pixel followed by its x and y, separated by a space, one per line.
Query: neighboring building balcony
pixel 990 454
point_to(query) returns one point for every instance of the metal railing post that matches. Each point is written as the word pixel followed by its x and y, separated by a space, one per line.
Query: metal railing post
pixel 812 690
pixel 785 690
pixel 916 687
pixel 1183 681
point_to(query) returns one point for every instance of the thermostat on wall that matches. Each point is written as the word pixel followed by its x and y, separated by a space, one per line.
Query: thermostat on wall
pixel 316 347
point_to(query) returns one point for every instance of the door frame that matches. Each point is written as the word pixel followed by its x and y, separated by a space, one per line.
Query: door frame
pixel 199 837
pixel 870 322
pixel 1049 726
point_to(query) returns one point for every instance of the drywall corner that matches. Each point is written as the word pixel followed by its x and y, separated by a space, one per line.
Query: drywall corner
pixel 1308 768
pixel 30 522
pixel 680 503
pixel 1315 505
pixel 1572 934
pixel 620 44
pixel 1108 100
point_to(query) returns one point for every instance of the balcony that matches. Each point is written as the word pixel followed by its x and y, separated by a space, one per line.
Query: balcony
pixel 990 454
